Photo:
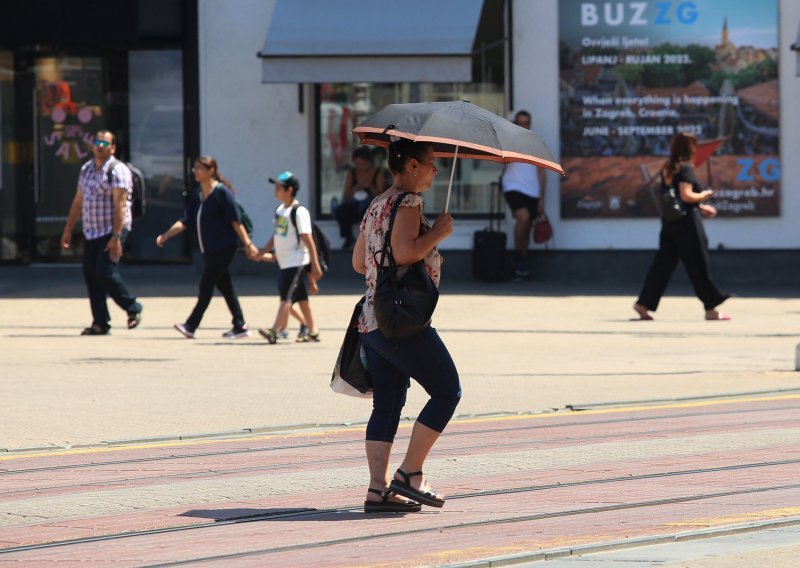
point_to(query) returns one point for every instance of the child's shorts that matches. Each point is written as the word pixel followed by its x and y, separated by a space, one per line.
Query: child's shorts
pixel 292 283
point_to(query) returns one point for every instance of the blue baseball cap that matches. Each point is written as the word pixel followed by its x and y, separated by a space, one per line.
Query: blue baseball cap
pixel 286 179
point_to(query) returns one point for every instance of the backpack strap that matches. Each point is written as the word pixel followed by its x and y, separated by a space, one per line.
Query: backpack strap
pixel 293 217
pixel 387 241
pixel 113 163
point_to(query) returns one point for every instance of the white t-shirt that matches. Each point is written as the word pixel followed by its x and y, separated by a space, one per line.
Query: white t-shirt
pixel 287 251
pixel 518 176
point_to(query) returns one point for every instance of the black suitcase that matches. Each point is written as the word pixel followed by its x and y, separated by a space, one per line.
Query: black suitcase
pixel 489 257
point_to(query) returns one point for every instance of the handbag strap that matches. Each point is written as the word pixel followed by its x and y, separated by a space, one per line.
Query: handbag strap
pixel 387 240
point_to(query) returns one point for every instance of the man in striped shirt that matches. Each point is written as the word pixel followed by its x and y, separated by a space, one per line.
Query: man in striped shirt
pixel 102 201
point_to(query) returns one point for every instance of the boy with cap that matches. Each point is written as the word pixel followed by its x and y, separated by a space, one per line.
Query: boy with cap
pixel 296 254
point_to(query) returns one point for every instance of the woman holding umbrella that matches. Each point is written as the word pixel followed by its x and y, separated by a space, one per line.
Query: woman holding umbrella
pixel 392 362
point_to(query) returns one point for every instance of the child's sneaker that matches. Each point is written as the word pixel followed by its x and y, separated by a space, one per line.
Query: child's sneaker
pixel 303 331
pixel 269 335
pixel 309 337
pixel 237 333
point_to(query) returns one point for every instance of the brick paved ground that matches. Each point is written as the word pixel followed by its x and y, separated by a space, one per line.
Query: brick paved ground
pixel 519 350
pixel 516 484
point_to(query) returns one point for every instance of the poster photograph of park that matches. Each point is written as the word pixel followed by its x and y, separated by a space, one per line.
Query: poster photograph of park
pixel 632 74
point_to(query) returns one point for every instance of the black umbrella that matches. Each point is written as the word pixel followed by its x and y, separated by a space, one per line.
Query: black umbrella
pixel 457 129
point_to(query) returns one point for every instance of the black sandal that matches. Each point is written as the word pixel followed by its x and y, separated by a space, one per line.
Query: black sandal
pixel 405 489
pixel 386 506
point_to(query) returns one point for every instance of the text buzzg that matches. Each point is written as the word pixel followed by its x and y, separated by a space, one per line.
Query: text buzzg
pixel 636 13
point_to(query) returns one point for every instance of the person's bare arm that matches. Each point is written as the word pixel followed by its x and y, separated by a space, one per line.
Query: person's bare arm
pixel 177 228
pixel 72 218
pixel 316 269
pixel 408 245
pixel 360 255
pixel 689 196
pixel 114 246
pixel 542 189
pixel 348 185
pixel 251 250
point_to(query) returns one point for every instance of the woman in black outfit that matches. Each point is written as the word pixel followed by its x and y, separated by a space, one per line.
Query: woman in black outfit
pixel 213 214
pixel 684 238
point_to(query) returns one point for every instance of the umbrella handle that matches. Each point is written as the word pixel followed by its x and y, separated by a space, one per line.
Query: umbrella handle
pixel 450 185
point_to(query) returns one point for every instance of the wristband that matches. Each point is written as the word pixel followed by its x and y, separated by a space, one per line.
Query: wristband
pixel 116 236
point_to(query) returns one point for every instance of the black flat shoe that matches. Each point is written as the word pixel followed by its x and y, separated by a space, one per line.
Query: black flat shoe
pixel 95 330
pixel 405 489
pixel 386 506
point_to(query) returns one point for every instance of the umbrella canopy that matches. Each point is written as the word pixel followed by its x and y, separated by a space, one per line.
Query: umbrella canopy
pixel 457 129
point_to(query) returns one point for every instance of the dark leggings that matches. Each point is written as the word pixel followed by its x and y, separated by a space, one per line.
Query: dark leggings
pixel 216 274
pixel 391 363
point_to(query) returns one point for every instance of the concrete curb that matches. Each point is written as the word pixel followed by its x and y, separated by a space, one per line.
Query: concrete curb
pixel 553 553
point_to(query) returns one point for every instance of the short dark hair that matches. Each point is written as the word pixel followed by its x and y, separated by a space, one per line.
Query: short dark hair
pixel 403 150
pixel 363 153
pixel 522 113
pixel 113 137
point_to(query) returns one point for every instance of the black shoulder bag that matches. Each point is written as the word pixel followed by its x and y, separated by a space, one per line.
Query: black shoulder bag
pixel 403 306
pixel 672 208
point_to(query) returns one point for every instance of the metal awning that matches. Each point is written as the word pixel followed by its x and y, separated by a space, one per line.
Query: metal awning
pixel 375 41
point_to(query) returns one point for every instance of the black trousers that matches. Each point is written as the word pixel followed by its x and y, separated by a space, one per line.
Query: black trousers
pixel 216 275
pixel 349 213
pixel 103 279
pixel 684 240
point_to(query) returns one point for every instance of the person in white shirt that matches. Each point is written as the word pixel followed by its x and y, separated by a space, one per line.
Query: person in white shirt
pixel 292 246
pixel 524 189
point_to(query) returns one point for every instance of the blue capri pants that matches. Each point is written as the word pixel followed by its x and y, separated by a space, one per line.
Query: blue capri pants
pixel 391 363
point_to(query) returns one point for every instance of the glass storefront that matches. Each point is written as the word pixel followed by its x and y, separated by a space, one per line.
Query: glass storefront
pixel 343 106
pixel 68 108
pixel 9 156
pixel 155 117
pixel 57 91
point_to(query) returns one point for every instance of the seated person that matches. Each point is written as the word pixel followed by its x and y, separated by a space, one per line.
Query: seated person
pixel 364 181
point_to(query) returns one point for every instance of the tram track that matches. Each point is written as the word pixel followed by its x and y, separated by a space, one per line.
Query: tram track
pixel 272 468
pixel 449 435
pixel 309 513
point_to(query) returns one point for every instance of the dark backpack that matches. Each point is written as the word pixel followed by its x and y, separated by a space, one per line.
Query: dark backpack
pixel 320 240
pixel 244 218
pixel 138 200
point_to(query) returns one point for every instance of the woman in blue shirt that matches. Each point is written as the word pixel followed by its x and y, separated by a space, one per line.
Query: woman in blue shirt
pixel 213 214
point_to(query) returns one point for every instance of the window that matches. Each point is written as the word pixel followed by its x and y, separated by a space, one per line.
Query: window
pixel 342 106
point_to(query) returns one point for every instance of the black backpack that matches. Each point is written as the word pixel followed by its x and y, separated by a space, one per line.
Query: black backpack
pixel 244 218
pixel 320 240
pixel 138 203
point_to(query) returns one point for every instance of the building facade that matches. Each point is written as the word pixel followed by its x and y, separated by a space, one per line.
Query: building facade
pixel 272 85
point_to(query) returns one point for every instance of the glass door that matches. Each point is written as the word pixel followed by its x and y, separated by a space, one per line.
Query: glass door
pixel 9 157
pixel 68 108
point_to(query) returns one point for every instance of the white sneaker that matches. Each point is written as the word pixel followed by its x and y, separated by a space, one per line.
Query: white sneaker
pixel 236 333
pixel 185 331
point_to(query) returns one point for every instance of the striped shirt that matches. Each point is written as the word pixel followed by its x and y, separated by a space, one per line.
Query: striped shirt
pixel 98 200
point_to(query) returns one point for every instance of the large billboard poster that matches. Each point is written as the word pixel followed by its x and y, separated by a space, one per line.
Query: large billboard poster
pixel 632 74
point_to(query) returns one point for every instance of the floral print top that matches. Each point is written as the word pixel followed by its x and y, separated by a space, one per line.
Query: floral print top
pixel 374 227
